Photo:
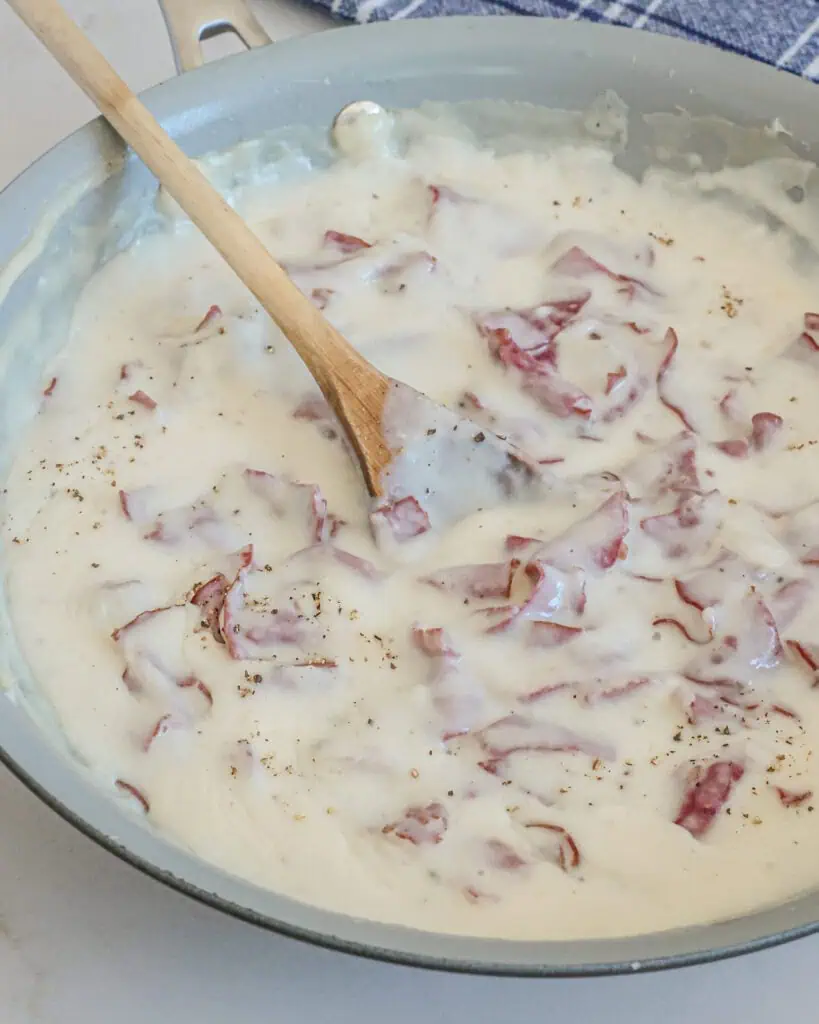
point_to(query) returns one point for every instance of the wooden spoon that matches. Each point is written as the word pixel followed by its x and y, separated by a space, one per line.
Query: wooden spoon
pixel 355 389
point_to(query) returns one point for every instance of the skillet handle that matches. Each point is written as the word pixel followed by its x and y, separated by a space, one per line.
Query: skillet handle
pixel 191 21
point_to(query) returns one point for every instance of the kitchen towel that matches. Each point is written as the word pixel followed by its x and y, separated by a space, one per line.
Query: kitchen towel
pixel 784 33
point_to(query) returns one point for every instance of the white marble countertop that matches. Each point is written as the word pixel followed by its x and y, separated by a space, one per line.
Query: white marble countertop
pixel 87 939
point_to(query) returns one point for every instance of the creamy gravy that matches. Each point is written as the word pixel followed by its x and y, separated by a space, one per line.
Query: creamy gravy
pixel 590 714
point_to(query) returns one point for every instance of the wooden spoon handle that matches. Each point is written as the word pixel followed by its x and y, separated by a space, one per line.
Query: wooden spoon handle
pixel 328 355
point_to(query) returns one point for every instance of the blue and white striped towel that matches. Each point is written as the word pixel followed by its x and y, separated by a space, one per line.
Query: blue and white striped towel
pixel 784 33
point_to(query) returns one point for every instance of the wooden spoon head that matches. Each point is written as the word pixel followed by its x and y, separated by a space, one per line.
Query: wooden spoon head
pixel 449 465
pixel 411 447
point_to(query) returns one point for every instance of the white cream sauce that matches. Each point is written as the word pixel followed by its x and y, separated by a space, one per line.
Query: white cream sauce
pixel 538 780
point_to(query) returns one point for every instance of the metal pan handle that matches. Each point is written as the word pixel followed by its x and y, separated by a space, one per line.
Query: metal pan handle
pixel 191 21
